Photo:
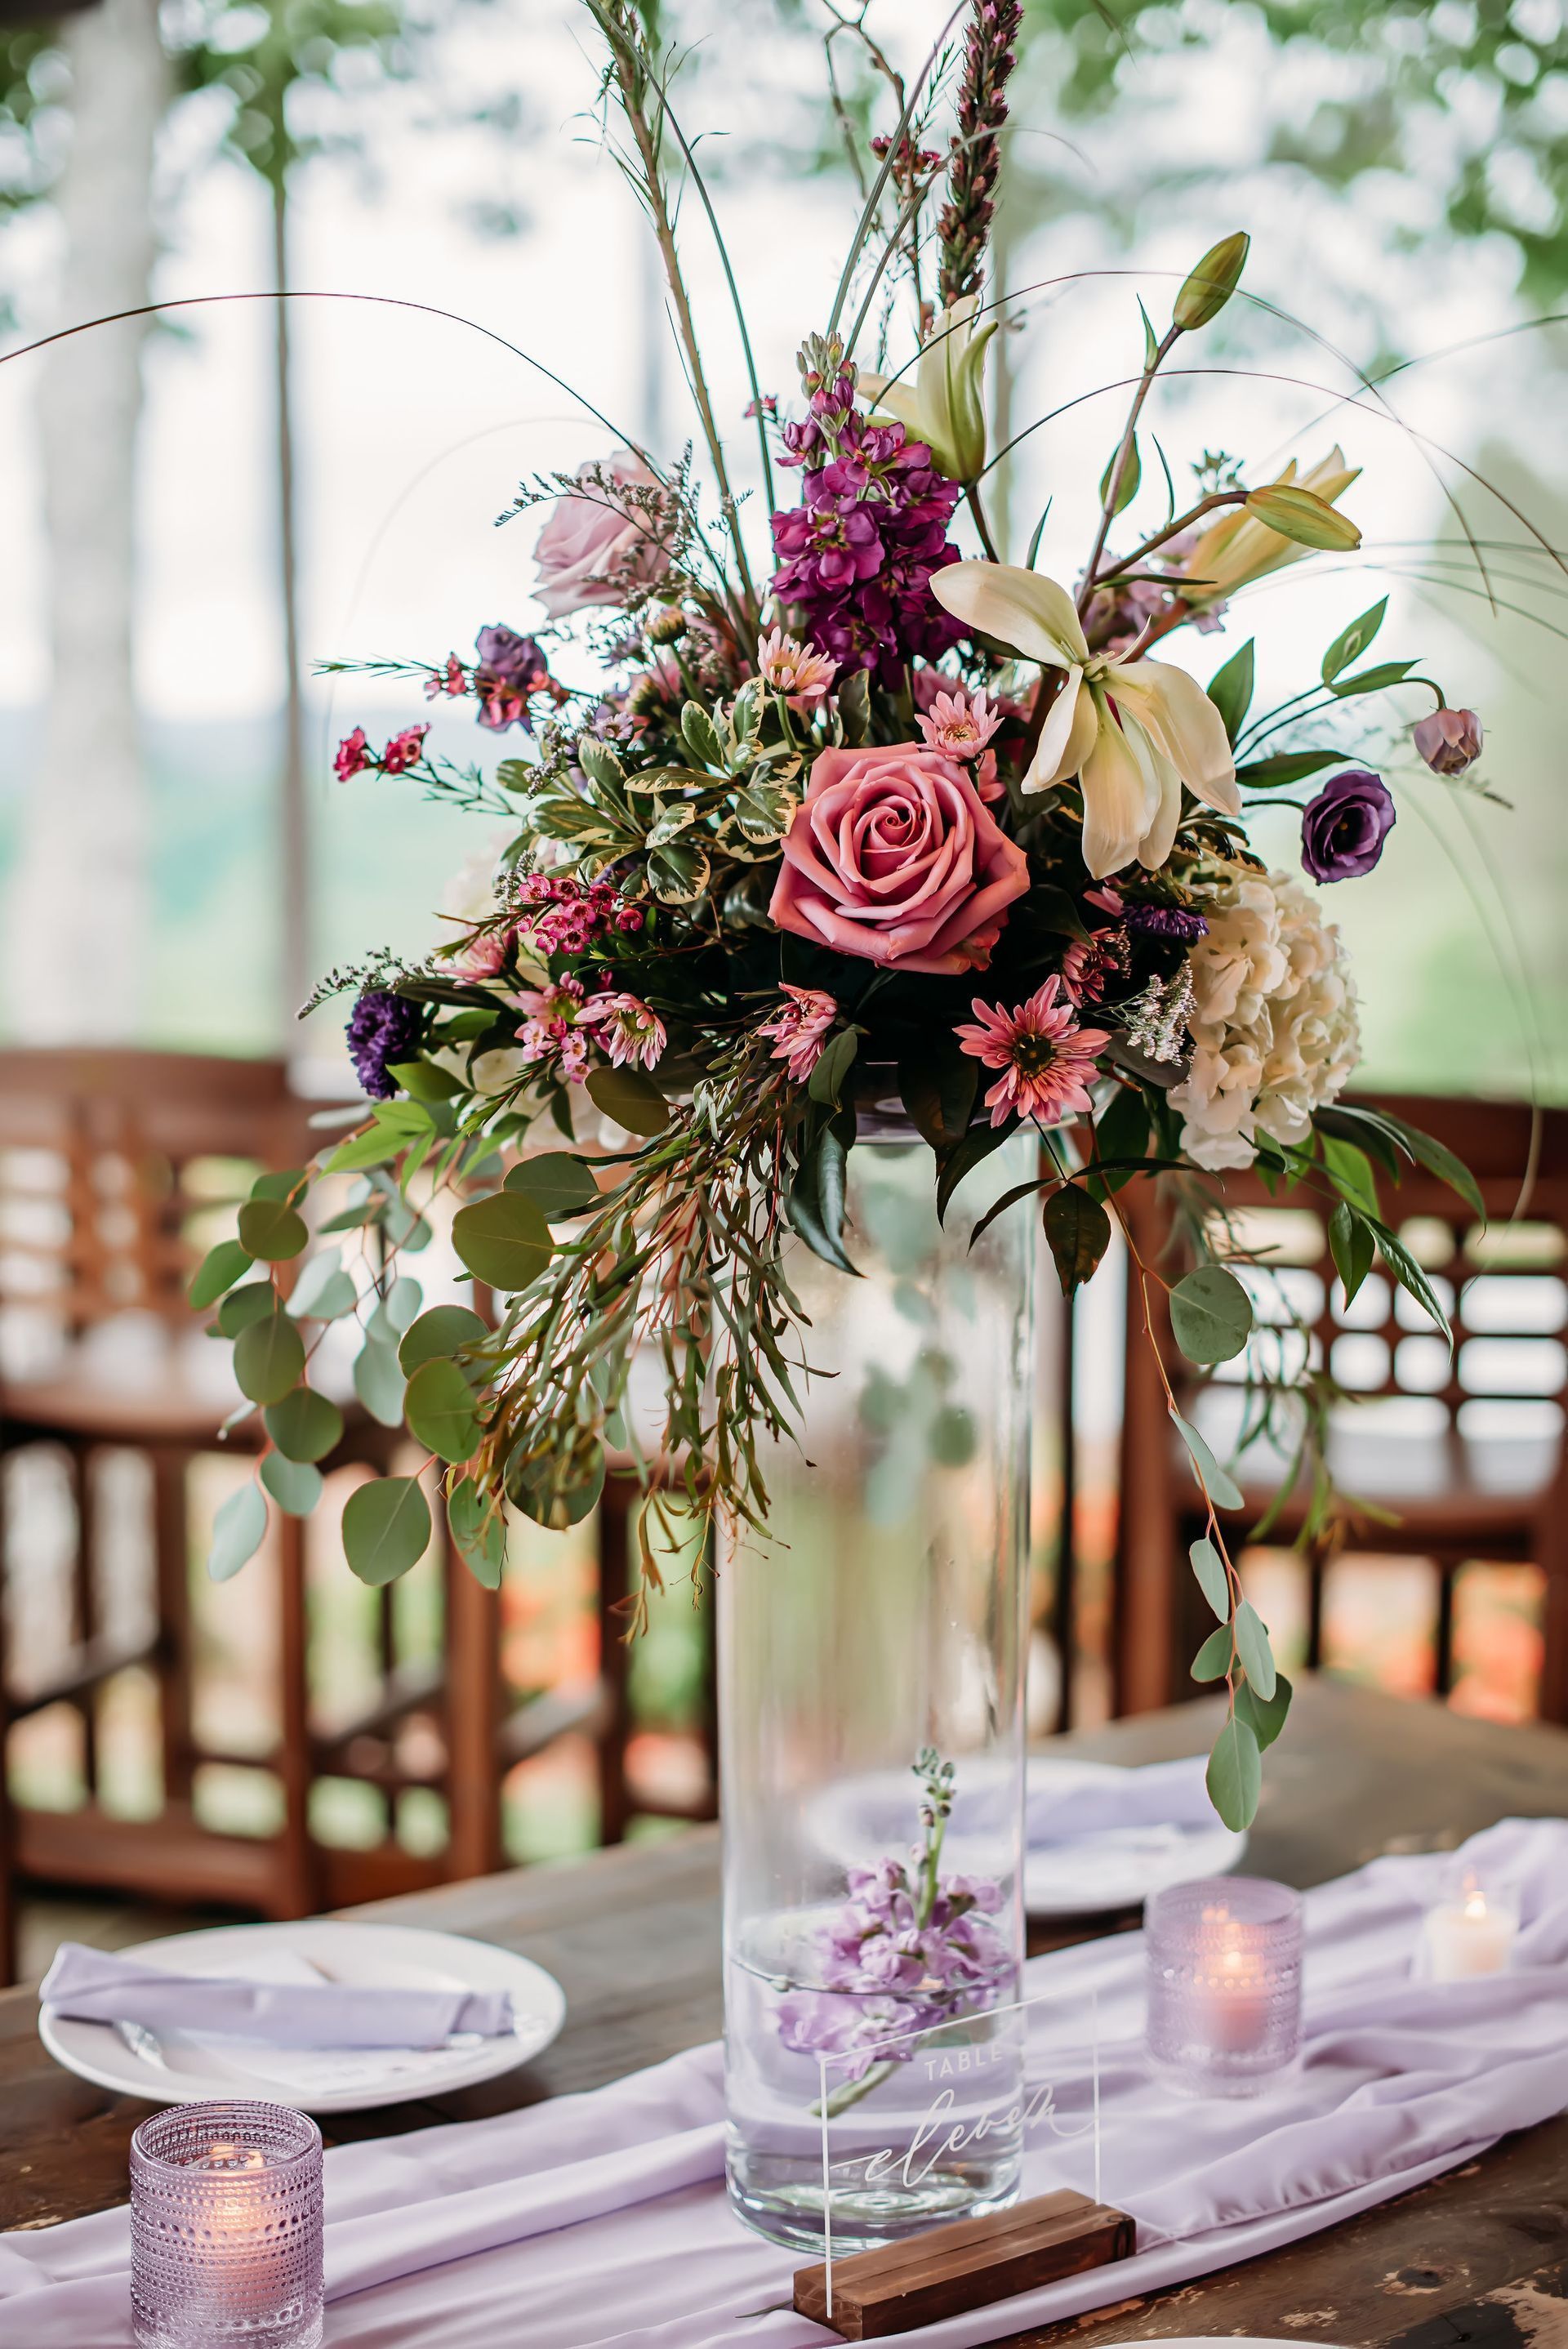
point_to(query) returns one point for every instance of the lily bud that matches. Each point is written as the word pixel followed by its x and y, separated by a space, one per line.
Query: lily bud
pixel 1448 740
pixel 1212 283
pixel 1300 514
pixel 1250 541
pixel 945 406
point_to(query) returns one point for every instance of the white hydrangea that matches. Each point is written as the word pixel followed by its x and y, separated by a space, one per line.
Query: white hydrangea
pixel 1274 1026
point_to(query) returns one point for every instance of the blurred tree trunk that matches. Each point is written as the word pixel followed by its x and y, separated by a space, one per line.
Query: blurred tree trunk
pixel 77 935
pixel 296 968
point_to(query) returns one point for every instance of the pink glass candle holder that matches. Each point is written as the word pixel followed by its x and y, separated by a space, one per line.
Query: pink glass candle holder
pixel 1223 1959
pixel 225 2228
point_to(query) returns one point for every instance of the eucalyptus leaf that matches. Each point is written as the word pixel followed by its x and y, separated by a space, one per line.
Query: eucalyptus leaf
pixel 439 1407
pixel 1212 1661
pixel 379 1383
pixel 1212 1581
pixel 271 1231
pixel 402 1302
pixel 1211 1315
pixel 1265 1719
pixel 1252 1647
pixel 295 1484
pixel 329 1300
pixel 218 1270
pixel 239 1529
pixel 1235 1775
pixel 269 1357
pixel 503 1240
pixel 386 1528
pixel 444 1330
pixel 304 1425
pixel 558 1183
pixel 631 1099
pixel 478 1531
pixel 243 1306
pixel 1223 1488
pixel 281 1183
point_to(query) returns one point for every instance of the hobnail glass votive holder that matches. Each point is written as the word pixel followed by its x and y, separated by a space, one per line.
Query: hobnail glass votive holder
pixel 225 2228
pixel 1223 1956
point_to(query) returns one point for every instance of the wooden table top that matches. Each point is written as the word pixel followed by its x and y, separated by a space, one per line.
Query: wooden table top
pixel 1481 2255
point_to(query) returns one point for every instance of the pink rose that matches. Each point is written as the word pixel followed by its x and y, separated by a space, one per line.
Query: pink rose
pixel 892 855
pixel 590 545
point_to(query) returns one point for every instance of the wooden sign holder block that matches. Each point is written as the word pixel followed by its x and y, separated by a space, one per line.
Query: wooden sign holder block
pixel 968 2264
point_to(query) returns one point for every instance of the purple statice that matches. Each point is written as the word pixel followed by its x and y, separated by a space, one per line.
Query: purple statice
pixel 856 556
pixel 1179 922
pixel 383 1028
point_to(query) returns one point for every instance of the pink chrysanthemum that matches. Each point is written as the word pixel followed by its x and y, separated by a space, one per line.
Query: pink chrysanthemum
pixel 353 755
pixel 1046 1059
pixel 791 669
pixel 801 1031
pixel 627 1030
pixel 959 724
pixel 404 750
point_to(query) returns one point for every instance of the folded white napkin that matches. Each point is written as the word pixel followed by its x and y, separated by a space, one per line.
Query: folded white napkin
pixel 103 1986
pixel 1160 1793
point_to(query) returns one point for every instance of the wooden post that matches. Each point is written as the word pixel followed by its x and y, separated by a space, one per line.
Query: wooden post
pixel 473 1715
pixel 295 1893
pixel 615 1504
pixel 172 1569
pixel 1145 1663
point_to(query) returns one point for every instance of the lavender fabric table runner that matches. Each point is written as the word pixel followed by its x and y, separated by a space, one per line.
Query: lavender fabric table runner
pixel 599 2221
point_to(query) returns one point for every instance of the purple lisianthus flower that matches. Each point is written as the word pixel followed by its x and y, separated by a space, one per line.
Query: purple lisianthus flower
pixel 1344 828
pixel 383 1028
pixel 1448 740
pixel 1167 922
pixel 510 667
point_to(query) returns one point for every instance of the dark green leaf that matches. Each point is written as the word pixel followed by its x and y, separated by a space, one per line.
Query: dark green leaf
pixel 1265 1720
pixel 977 1144
pixel 239 1530
pixel 854 700
pixel 1211 1315
pixel 1410 1277
pixel 1252 1647
pixel 1370 1132
pixel 1235 1775
pixel 424 1080
pixel 1122 1132
pixel 1353 642
pixel 937 1086
pixel 503 1240
pixel 243 1306
pixel 280 1185
pixel 1231 690
pixel 1352 1243
pixel 271 1232
pixel 1212 1581
pixel 295 1485
pixel 825 1081
pixel 386 1528
pixel 631 1099
pixel 1053 909
pixel 1439 1160
pixel 1212 1661
pixel 1350 1172
pixel 444 1330
pixel 1285 767
pixel 439 1406
pixel 218 1269
pixel 379 1383
pixel 1222 1486
pixel 815 1204
pixel 1077 1231
pixel 269 1359
pixel 304 1425
pixel 1373 680
pixel 557 1183
pixel 952 1440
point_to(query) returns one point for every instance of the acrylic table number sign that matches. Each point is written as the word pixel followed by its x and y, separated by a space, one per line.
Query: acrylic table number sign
pixel 226 2229
pixel 946 2104
pixel 1223 1956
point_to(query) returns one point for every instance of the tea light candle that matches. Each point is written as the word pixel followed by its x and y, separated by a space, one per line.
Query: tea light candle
pixel 226 2229
pixel 1224 1983
pixel 1469 1937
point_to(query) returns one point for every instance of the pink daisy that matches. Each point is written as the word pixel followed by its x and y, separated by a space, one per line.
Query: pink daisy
pixel 959 724
pixel 628 1029
pixel 799 1032
pixel 1047 1059
pixel 791 669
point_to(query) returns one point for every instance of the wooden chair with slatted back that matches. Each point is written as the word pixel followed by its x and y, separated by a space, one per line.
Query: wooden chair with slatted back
pixel 1465 1457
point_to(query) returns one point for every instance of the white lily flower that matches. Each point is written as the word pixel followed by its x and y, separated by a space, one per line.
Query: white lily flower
pixel 1239 548
pixel 1133 731
pixel 944 405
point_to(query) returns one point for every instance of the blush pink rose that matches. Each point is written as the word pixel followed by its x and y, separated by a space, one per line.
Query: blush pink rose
pixel 588 547
pixel 893 856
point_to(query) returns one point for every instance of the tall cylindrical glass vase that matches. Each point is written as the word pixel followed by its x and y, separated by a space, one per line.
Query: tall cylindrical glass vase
pixel 872 1656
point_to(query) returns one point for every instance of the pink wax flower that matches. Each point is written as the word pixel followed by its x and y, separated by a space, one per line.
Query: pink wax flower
pixel 1448 740
pixel 592 548
pixel 404 750
pixel 550 1032
pixel 1089 964
pixel 891 856
pixel 626 1029
pixel 353 755
pixel 803 676
pixel 800 1030
pixel 1046 1059
pixel 958 724
pixel 453 679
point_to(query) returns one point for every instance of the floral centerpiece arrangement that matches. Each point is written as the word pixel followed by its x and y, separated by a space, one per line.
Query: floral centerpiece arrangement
pixel 869 816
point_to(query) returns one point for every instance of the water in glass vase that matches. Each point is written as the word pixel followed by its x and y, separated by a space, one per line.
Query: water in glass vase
pixel 877 2050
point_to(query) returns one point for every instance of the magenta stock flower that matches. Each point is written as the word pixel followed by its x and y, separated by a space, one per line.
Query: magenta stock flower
pixel 893 857
pixel 800 1030
pixel 1448 740
pixel 626 1029
pixel 1046 1059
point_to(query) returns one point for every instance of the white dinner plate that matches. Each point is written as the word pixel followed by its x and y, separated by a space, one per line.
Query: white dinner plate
pixel 1119 1868
pixel 177 2068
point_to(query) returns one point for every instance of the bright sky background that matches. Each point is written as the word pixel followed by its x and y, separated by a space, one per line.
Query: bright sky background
pixel 414 433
